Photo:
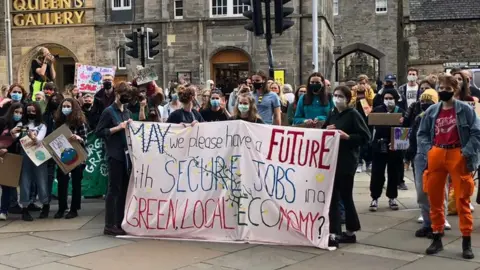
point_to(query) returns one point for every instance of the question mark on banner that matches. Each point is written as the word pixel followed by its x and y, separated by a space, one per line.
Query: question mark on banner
pixel 322 221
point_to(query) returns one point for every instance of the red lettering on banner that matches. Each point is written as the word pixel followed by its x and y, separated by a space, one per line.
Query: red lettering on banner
pixel 290 151
pixel 87 87
pixel 298 222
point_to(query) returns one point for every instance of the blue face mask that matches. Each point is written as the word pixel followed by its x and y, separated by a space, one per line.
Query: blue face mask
pixel 174 97
pixel 17 117
pixel 16 96
pixel 66 111
pixel 215 103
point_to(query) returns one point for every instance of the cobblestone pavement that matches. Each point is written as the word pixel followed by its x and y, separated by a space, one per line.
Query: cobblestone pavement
pixel 386 242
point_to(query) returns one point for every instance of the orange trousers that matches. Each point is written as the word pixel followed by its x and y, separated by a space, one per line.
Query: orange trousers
pixel 441 163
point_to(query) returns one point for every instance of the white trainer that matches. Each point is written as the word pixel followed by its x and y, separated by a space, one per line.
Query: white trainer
pixel 420 219
pixel 448 227
pixel 471 207
pixel 3 216
pixel 359 169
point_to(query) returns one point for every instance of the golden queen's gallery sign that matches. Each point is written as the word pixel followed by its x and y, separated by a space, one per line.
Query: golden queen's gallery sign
pixel 47 12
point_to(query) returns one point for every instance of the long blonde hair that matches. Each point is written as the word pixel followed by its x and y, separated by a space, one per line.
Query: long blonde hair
pixel 252 110
pixel 281 95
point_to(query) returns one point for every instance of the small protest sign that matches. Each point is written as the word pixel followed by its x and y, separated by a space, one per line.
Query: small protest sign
pixel 400 138
pixel 37 153
pixel 146 75
pixel 89 78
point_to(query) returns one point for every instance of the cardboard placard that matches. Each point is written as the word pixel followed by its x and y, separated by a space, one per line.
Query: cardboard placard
pixel 366 108
pixel 146 75
pixel 89 78
pixel 319 125
pixel 10 170
pixel 400 138
pixel 37 153
pixel 384 119
pixel 67 154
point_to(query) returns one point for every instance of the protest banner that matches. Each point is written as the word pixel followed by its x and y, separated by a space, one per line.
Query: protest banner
pixel 95 175
pixel 231 182
pixel 400 138
pixel 146 75
pixel 37 153
pixel 88 79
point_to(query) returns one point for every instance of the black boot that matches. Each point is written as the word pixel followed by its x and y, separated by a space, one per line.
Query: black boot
pixel 436 245
pixel 467 248
pixel 60 213
pixel 45 211
pixel 71 214
pixel 26 215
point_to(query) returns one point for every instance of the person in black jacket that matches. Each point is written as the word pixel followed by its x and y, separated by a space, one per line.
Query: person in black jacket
pixel 390 85
pixel 383 156
pixel 92 118
pixel 353 133
pixel 105 96
pixel 185 115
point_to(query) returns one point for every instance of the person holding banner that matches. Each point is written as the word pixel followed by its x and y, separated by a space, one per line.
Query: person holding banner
pixel 268 104
pixel 185 115
pixel 215 110
pixel 70 114
pixel 32 126
pixel 111 127
pixel 42 69
pixel 246 109
pixel 448 142
pixel 354 133
pixel 9 144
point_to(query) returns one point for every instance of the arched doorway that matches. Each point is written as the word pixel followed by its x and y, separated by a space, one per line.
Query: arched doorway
pixel 229 67
pixel 359 59
pixel 65 61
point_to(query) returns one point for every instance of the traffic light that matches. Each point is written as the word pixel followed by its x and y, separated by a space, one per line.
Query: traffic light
pixel 254 13
pixel 132 44
pixel 282 22
pixel 151 43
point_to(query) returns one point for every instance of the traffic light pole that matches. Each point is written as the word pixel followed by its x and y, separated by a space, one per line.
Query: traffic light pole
pixel 142 46
pixel 268 37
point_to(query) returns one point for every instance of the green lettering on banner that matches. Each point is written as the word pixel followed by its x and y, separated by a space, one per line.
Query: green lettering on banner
pixel 95 174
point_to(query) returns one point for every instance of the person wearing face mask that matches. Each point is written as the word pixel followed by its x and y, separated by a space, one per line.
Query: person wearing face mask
pixel 172 106
pixel 268 103
pixel 411 89
pixel 92 118
pixel 215 110
pixel 384 157
pixel 353 133
pixel 448 142
pixel 292 107
pixel 40 99
pixel 111 127
pixel 16 93
pixel 70 114
pixel 105 96
pixel 390 81
pixel 246 109
pixel 314 106
pixel 463 92
pixel 49 89
pixel 32 126
pixel 187 114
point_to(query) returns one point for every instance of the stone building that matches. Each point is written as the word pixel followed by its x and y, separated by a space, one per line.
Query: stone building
pixel 199 39
pixel 442 34
pixel 366 38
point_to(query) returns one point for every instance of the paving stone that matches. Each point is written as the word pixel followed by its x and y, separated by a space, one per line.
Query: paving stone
pixel 261 257
pixel 40 225
pixel 97 222
pixel 84 246
pixel 69 236
pixel 29 258
pixel 224 247
pixel 454 249
pixel 53 266
pixel 382 252
pixel 23 243
pixel 412 225
pixel 437 263
pixel 204 266
pixel 4 267
pixel 402 240
pixel 376 224
pixel 145 255
pixel 405 213
pixel 339 260
pixel 8 235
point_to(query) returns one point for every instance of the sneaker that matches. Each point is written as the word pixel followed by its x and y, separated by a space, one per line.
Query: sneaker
pixel 420 219
pixel 436 245
pixel 16 210
pixel 447 225
pixel 26 215
pixel 402 186
pixel 33 207
pixel 359 169
pixel 368 168
pixel 374 206
pixel 392 203
pixel 424 232
pixel 3 216
pixel 333 242
pixel 347 239
pixel 472 208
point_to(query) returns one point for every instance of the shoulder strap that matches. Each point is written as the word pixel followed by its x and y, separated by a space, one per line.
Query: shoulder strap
pixel 114 114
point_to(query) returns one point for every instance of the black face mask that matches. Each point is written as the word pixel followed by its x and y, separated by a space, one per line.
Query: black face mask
pixel 257 85
pixel 425 106
pixel 31 116
pixel 445 95
pixel 107 85
pixel 124 99
pixel 315 88
pixel 53 106
pixel 87 105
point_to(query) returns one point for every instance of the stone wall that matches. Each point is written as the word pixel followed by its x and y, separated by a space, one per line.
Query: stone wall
pixel 3 59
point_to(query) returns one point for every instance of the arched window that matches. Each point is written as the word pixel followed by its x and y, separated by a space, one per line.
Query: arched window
pixel 121 56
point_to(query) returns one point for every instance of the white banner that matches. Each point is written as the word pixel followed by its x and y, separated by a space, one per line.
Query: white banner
pixel 231 181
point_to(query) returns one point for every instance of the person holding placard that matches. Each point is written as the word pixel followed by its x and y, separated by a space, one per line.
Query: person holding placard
pixel 246 109
pixel 71 114
pixel 354 133
pixel 9 144
pixel 448 142
pixel 383 155
pixel 111 127
pixel 33 127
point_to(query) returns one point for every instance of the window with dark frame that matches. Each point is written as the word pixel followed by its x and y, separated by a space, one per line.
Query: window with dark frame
pixel 121 57
pixel 178 9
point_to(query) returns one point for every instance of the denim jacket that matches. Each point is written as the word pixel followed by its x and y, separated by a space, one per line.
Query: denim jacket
pixel 468 129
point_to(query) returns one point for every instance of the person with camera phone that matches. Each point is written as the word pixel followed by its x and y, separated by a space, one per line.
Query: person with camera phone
pixel 138 104
pixel 42 69
pixel 384 156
